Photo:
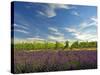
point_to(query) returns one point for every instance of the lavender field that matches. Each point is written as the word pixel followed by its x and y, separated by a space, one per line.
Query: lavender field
pixel 45 61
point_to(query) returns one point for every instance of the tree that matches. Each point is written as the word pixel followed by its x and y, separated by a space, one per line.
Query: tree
pixel 92 44
pixel 83 45
pixel 46 44
pixel 66 45
pixel 74 45
pixel 56 45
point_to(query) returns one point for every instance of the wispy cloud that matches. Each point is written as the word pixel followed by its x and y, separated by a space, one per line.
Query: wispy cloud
pixel 94 19
pixel 50 10
pixel 62 6
pixel 35 38
pixel 56 38
pixel 78 31
pixel 75 13
pixel 91 22
pixel 21 31
pixel 28 40
pixel 79 35
pixel 21 26
pixel 55 31
pixel 70 29
pixel 47 13
pixel 56 35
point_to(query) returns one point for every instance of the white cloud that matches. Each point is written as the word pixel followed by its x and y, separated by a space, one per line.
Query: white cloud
pixel 58 34
pixel 50 10
pixel 85 36
pixel 94 19
pixel 75 13
pixel 35 38
pixel 79 32
pixel 21 31
pixel 91 22
pixel 70 29
pixel 48 13
pixel 82 35
pixel 28 40
pixel 57 6
pixel 56 38
pixel 20 26
pixel 53 29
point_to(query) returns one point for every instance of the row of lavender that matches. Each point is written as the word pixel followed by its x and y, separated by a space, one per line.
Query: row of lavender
pixel 44 61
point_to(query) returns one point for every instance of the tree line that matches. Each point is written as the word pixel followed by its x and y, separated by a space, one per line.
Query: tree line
pixel 57 45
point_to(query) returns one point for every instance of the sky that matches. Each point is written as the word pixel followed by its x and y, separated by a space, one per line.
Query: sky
pixel 54 22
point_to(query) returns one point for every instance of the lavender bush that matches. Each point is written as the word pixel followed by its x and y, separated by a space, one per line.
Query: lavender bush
pixel 45 61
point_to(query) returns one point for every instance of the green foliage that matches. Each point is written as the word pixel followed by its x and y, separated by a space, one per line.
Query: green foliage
pixel 50 45
pixel 54 45
pixel 83 45
pixel 75 45
pixel 92 44
pixel 87 44
pixel 58 45
pixel 66 45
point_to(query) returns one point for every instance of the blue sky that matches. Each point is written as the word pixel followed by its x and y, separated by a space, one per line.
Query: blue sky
pixel 55 22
